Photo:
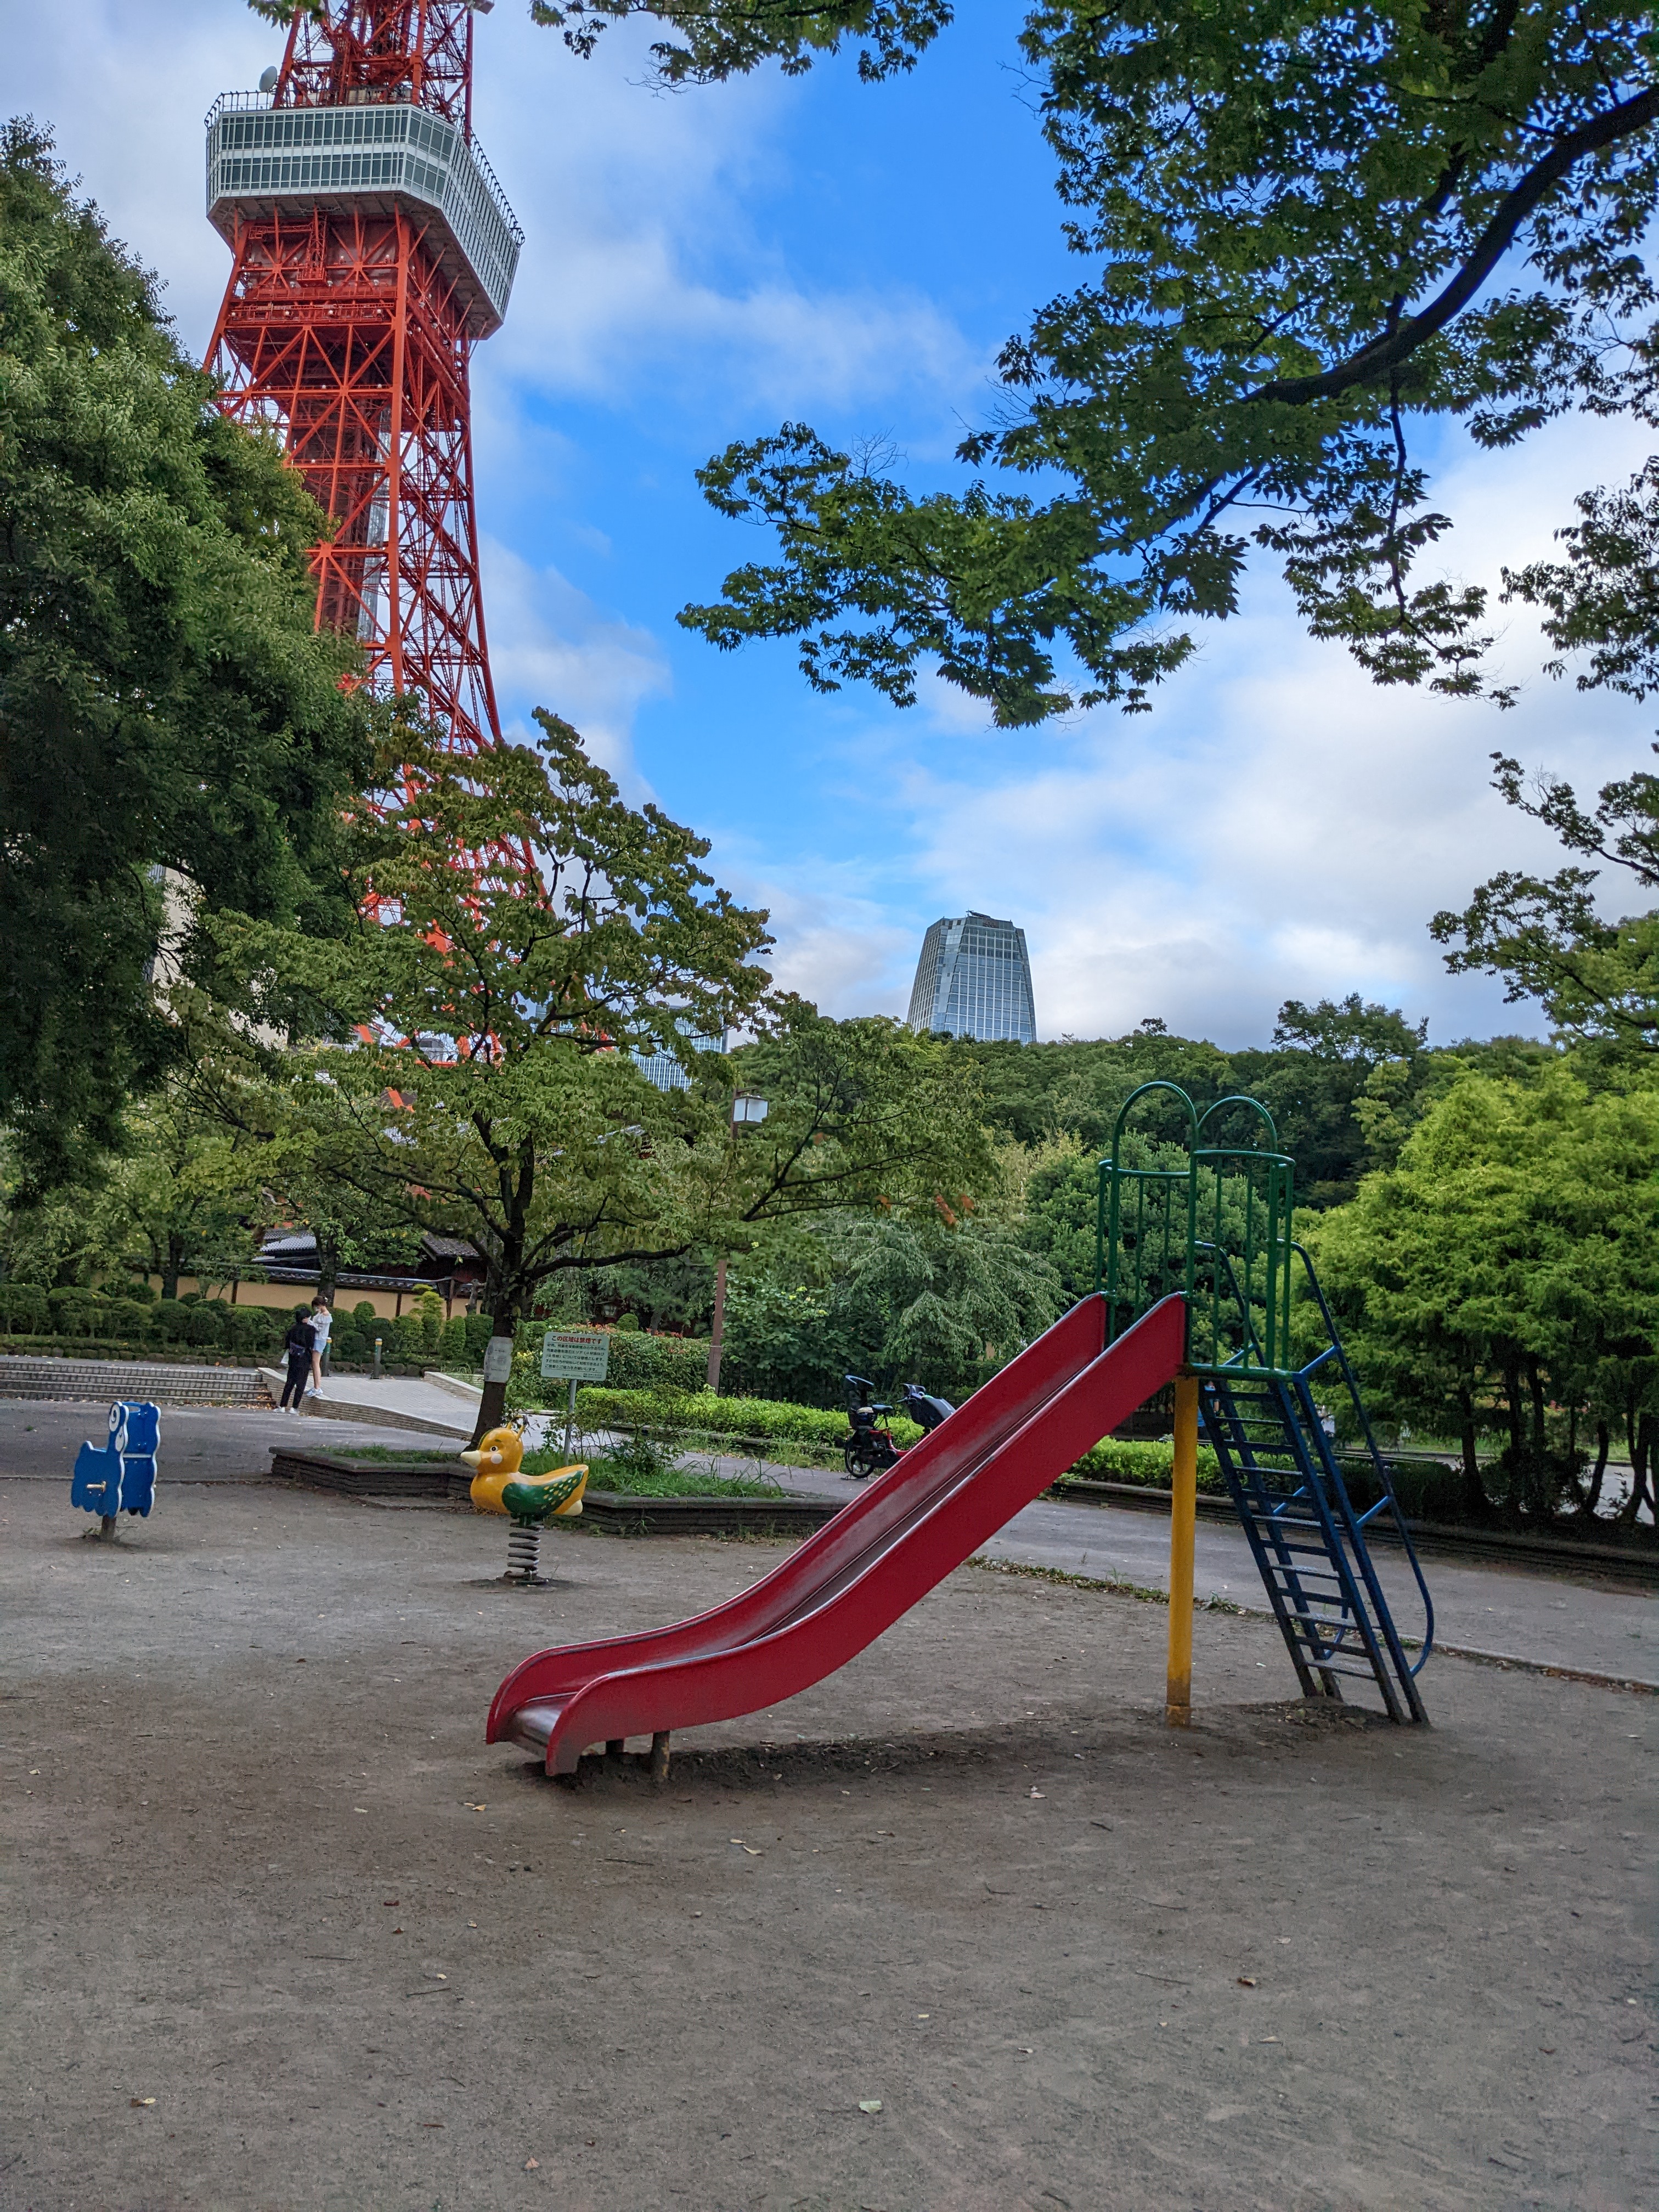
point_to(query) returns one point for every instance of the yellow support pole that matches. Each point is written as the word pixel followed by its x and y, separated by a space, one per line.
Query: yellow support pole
pixel 1183 1514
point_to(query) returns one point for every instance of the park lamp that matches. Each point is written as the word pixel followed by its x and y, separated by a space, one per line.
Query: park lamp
pixel 748 1112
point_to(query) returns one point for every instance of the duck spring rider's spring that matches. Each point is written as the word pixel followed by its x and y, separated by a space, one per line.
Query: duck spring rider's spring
pixel 120 1476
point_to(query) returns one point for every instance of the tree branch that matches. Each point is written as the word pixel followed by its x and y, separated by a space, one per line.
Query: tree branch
pixel 1385 353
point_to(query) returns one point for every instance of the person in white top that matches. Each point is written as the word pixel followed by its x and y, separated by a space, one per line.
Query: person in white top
pixel 322 1320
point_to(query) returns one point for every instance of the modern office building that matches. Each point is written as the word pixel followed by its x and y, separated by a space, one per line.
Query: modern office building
pixel 974 980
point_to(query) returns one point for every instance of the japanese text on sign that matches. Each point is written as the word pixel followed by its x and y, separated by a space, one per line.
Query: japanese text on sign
pixel 575 1355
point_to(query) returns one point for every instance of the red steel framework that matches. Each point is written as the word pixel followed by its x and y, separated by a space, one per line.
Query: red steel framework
pixel 347 328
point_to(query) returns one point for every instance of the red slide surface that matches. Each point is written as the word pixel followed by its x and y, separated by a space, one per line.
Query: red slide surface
pixel 855 1576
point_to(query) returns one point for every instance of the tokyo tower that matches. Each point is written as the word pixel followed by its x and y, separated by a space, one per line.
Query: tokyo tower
pixel 372 248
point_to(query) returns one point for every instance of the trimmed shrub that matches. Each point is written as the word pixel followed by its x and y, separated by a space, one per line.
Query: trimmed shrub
pixel 432 1323
pixel 602 1407
pixel 406 1340
pixel 75 1311
pixel 1148 1466
pixel 452 1344
pixel 480 1327
pixel 127 1317
pixel 202 1326
pixel 252 1328
pixel 24 1306
pixel 171 1319
pixel 144 1293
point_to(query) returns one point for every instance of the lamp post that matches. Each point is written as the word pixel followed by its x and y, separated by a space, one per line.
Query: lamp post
pixel 748 1112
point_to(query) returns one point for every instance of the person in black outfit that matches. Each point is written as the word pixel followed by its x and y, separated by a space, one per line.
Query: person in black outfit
pixel 299 1344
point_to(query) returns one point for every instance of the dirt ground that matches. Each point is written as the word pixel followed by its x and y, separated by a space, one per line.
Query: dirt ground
pixel 283 1933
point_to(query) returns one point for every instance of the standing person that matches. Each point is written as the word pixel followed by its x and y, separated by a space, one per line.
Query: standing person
pixel 299 1344
pixel 322 1320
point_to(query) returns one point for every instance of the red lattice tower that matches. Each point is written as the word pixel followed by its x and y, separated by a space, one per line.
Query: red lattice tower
pixel 373 249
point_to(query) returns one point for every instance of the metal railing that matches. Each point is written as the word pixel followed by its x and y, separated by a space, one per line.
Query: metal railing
pixel 1215 1227
pixel 258 155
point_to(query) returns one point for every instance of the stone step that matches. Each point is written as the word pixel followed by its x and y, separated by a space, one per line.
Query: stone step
pixel 22 1376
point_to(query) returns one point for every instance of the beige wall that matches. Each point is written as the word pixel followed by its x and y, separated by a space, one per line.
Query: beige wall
pixel 387 1303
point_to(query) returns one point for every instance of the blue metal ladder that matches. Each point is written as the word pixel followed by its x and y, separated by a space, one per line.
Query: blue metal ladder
pixel 1308 1537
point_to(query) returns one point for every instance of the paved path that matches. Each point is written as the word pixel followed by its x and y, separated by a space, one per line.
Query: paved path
pixel 388 1401
pixel 1553 1620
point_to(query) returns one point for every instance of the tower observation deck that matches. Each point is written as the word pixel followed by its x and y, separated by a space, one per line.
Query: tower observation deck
pixel 372 248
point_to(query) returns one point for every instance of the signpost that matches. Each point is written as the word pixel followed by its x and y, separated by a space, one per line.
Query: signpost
pixel 574 1355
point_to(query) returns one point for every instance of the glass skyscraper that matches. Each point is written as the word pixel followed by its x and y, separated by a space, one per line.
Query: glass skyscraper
pixel 973 979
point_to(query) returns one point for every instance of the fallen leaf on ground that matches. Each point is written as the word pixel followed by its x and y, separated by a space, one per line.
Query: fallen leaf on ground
pixel 531 2164
pixel 1247 1981
pixel 139 2103
pixel 869 2104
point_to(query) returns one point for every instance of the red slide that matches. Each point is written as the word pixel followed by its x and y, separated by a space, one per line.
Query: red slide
pixel 854 1577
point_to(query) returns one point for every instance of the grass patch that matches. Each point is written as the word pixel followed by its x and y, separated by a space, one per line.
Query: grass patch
pixel 629 1478
pixel 378 1453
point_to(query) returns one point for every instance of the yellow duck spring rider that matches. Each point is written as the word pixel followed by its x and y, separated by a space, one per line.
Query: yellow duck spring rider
pixel 529 1501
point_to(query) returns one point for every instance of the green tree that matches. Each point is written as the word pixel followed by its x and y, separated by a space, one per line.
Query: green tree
pixel 165 702
pixel 1306 234
pixel 1328 1055
pixel 184 1194
pixel 1597 979
pixel 1510 1261
pixel 482 1014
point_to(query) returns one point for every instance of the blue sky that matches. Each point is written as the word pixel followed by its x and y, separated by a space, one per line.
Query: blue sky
pixel 701 266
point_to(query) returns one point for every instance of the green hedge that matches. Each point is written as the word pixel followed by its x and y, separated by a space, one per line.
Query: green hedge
pixel 602 1407
pixel 1148 1466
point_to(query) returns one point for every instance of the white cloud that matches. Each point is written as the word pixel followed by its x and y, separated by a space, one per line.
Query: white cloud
pixel 640 250
pixel 550 645
pixel 1278 826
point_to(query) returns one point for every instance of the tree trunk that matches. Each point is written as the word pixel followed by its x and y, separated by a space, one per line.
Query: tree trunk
pixel 172 1265
pixel 492 1406
pixel 718 1335
pixel 328 1267
pixel 1474 1490
pixel 1535 1392
pixel 1592 1498
pixel 1641 1460
pixel 1515 1485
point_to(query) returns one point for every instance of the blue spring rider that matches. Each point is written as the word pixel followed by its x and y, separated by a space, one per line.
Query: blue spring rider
pixel 120 1477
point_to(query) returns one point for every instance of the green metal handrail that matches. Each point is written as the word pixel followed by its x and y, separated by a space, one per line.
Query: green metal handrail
pixel 1216 1228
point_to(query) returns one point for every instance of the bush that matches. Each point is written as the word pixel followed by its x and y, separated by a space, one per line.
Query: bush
pixel 75 1312
pixel 127 1317
pixel 480 1327
pixel 602 1407
pixel 202 1326
pixel 171 1319
pixel 431 1318
pixel 143 1292
pixel 405 1341
pixel 452 1344
pixel 1148 1466
pixel 252 1329
pixel 24 1308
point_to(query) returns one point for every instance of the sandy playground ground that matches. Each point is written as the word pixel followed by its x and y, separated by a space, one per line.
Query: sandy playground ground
pixel 964 1929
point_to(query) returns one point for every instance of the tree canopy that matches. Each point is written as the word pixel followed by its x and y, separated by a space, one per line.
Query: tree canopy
pixel 1309 232
pixel 1508 1263
pixel 461 1059
pixel 164 702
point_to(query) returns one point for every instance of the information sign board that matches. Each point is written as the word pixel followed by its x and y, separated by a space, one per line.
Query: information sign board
pixel 575 1355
